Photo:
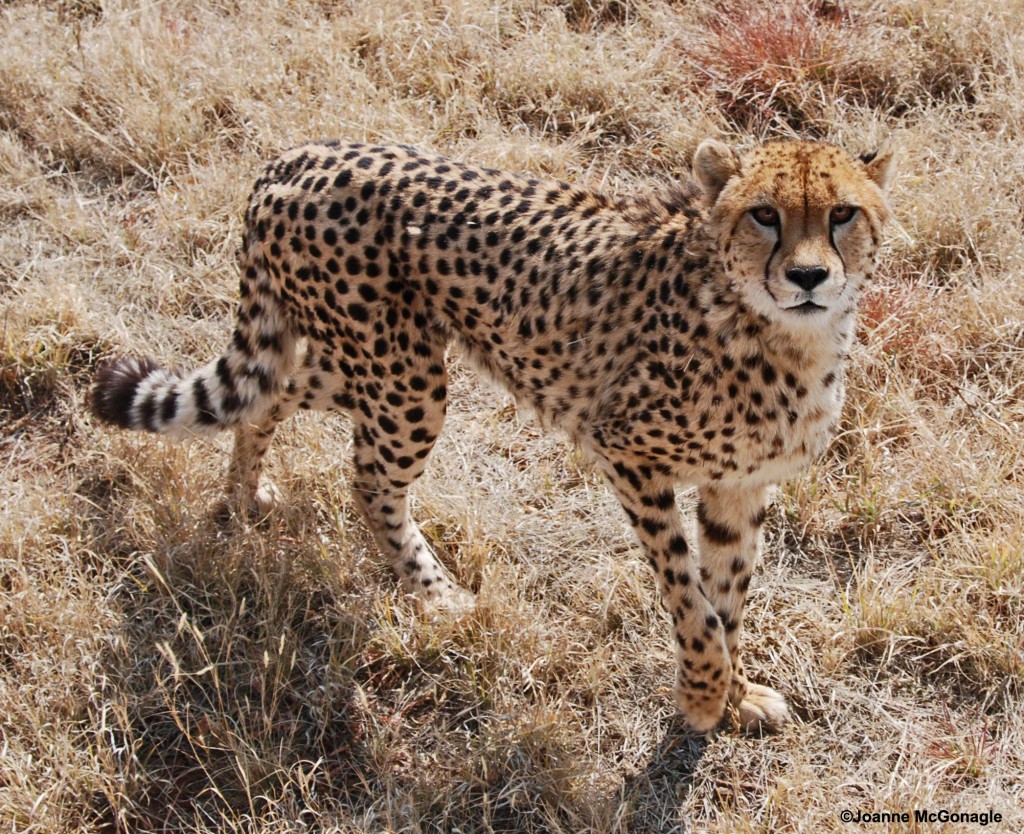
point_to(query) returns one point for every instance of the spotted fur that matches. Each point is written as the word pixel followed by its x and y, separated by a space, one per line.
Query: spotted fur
pixel 694 337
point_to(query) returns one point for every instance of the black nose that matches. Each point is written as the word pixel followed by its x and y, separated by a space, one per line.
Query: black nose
pixel 807 277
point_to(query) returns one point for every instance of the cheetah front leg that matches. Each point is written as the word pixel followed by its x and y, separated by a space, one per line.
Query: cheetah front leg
pixel 729 523
pixel 704 672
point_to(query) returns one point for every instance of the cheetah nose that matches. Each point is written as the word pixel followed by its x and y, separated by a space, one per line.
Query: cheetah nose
pixel 807 277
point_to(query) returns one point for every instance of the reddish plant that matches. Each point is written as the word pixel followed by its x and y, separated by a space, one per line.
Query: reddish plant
pixel 765 60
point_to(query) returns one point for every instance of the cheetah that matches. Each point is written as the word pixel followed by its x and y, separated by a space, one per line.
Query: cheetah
pixel 695 336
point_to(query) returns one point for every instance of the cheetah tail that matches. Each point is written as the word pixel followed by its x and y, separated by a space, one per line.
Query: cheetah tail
pixel 241 385
pixel 136 393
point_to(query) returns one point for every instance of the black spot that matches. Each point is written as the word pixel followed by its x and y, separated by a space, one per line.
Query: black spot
pixel 716 533
pixel 652 525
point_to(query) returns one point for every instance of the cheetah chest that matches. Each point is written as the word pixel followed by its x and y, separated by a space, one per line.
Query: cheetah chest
pixel 780 449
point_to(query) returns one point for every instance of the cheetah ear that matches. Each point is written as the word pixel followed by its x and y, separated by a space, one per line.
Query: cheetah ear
pixel 714 163
pixel 880 166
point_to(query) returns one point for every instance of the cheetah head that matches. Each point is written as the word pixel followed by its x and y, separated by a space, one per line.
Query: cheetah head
pixel 798 225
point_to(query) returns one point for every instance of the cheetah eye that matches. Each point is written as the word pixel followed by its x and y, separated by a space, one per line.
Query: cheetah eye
pixel 842 214
pixel 765 215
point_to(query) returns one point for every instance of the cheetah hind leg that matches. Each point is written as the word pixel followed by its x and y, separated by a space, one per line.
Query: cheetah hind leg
pixel 391 451
pixel 381 490
pixel 386 467
pixel 247 492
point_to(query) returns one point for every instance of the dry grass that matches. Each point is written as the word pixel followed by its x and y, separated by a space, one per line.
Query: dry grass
pixel 159 672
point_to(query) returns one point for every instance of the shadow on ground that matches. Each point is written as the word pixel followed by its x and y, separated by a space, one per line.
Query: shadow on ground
pixel 254 688
pixel 650 802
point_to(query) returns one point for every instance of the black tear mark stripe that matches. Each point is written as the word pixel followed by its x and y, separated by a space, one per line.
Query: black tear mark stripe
pixel 832 242
pixel 768 263
pixel 805 159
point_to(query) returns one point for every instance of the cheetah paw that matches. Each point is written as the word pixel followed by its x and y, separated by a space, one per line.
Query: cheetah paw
pixel 762 709
pixel 254 508
pixel 265 499
pixel 453 601
pixel 699 716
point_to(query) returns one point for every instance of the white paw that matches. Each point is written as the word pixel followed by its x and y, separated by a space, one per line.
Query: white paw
pixel 450 600
pixel 762 708
pixel 248 508
pixel 265 499
pixel 458 599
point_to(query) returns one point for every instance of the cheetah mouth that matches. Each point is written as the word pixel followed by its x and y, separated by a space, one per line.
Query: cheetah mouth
pixel 807 308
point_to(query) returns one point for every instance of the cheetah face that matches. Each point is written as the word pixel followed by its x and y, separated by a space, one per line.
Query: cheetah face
pixel 798 225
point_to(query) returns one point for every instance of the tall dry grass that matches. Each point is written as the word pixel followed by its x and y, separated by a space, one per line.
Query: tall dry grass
pixel 163 672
